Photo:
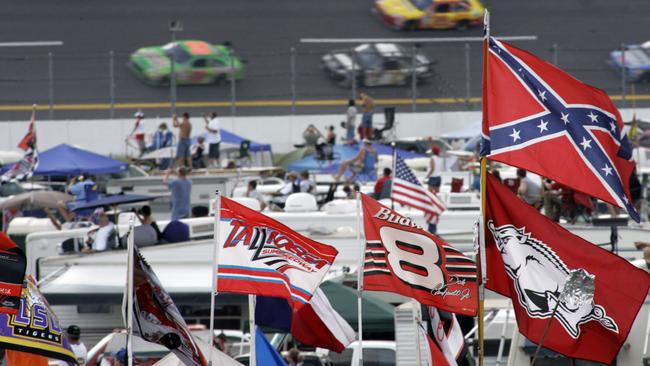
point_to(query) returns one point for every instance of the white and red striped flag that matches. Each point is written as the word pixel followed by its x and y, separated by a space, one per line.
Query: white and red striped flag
pixel 407 190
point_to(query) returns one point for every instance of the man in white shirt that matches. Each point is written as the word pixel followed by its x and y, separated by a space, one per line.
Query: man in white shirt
pixel 78 347
pixel 214 138
pixel 104 235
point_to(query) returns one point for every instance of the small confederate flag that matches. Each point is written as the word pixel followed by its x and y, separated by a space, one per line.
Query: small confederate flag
pixel 529 258
pixel 403 258
pixel 260 256
pixel 407 190
pixel 24 168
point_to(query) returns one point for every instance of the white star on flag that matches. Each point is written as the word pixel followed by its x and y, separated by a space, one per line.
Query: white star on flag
pixel 607 169
pixel 586 143
pixel 612 126
pixel 565 118
pixel 515 135
pixel 542 95
pixel 542 126
pixel 593 117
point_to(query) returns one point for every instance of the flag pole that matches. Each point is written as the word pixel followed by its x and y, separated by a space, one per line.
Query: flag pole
pixel 360 280
pixel 392 203
pixel 481 248
pixel 502 340
pixel 129 293
pixel 416 326
pixel 252 299
pixel 214 269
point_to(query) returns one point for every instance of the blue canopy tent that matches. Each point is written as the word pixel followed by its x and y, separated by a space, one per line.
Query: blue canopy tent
pixel 228 137
pixel 68 160
pixel 342 153
pixel 261 153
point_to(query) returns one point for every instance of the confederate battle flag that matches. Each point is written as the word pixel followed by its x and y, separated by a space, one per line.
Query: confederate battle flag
pixel 529 258
pixel 539 118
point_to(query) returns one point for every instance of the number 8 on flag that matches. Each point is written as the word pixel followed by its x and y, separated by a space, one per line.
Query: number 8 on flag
pixel 401 257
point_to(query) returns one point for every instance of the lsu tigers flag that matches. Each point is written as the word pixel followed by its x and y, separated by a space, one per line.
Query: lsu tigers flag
pixel 403 258
pixel 35 328
pixel 529 258
pixel 260 256
pixel 534 112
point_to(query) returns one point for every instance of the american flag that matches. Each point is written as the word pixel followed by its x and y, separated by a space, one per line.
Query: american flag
pixel 408 191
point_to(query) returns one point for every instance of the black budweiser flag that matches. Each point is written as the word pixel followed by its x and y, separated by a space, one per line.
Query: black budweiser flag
pixel 12 274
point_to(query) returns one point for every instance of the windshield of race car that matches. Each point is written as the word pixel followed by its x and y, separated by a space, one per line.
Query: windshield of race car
pixel 423 4
pixel 180 55
pixel 368 57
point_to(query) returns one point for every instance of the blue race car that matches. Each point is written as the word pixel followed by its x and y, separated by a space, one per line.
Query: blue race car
pixel 637 62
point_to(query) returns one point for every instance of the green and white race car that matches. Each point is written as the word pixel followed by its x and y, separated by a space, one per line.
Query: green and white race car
pixel 195 62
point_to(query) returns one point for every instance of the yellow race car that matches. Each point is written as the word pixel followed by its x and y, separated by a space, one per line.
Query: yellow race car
pixel 430 14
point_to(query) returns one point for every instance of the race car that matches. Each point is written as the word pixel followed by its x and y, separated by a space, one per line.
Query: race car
pixel 637 62
pixel 376 64
pixel 195 62
pixel 430 14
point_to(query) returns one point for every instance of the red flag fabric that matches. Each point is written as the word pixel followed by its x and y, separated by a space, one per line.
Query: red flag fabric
pixel 433 353
pixel 261 256
pixel 529 258
pixel 12 275
pixel 28 142
pixel 319 325
pixel 403 258
pixel 534 112
pixel 157 319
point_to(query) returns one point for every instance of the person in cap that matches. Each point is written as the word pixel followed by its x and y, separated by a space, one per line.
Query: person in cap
pixel 78 347
pixel 119 357
pixel 363 163
pixel 292 185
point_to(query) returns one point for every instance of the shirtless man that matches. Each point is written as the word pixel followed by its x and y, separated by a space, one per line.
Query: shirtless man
pixel 368 108
pixel 183 156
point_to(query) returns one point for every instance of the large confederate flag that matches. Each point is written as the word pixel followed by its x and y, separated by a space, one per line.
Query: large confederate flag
pixel 529 258
pixel 539 118
pixel 401 257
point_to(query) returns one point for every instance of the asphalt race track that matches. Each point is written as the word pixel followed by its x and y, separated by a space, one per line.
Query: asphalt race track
pixel 263 32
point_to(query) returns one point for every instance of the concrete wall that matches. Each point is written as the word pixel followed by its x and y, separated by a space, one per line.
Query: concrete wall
pixel 107 136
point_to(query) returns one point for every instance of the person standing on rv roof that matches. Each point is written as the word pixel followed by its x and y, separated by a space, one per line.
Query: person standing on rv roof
pixel 350 122
pixel 138 133
pixel 183 156
pixel 181 192
pixel 214 139
pixel 368 108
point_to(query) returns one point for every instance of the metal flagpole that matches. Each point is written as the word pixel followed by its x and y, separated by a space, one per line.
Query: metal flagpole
pixel 392 183
pixel 416 326
pixel 502 341
pixel 360 279
pixel 215 268
pixel 481 244
pixel 252 299
pixel 129 292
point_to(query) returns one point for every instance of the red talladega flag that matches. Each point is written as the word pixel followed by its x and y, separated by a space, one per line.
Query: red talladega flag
pixel 529 258
pixel 534 112
pixel 401 257
pixel 12 275
pixel 261 256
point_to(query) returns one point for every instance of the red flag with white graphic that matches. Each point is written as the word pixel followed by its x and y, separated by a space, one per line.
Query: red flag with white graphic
pixel 534 112
pixel 261 256
pixel 447 334
pixel 529 258
pixel 12 275
pixel 403 258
